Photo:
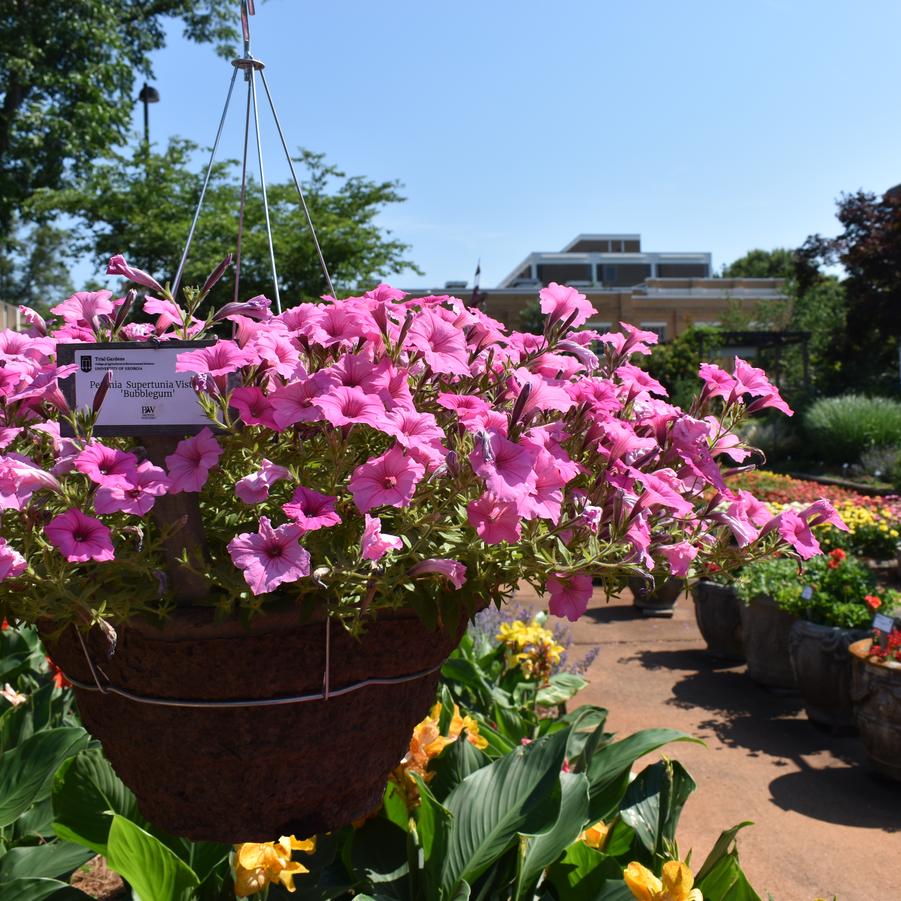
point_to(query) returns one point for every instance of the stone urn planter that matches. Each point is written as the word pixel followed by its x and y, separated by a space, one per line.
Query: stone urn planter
pixel 876 695
pixel 718 614
pixel 765 629
pixel 221 730
pixel 654 600
pixel 819 656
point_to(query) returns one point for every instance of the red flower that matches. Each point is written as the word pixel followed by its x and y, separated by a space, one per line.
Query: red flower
pixel 835 558
pixel 894 639
pixel 59 677
pixel 5 625
pixel 873 602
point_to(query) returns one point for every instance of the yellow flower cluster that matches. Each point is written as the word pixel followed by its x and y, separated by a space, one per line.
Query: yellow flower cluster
pixel 675 883
pixel 857 518
pixel 531 647
pixel 259 863
pixel 428 742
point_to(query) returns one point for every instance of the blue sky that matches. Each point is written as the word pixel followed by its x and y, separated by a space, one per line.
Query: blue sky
pixel 705 126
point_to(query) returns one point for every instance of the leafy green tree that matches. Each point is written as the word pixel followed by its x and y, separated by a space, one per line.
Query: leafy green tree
pixel 531 319
pixel 34 268
pixel 67 80
pixel 141 204
pixel 757 263
pixel 869 249
pixel 675 363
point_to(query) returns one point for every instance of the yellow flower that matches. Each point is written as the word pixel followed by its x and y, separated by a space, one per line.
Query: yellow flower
pixel 674 885
pixel 259 863
pixel 531 647
pixel 459 723
pixel 595 836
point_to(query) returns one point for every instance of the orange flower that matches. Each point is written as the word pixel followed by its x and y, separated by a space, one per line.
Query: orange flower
pixel 259 863
pixel 873 601
pixel 595 836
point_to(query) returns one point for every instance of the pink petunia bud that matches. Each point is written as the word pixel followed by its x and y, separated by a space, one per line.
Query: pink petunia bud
pixel 35 321
pixel 102 391
pixel 118 266
pixel 213 278
pixel 124 309
pixel 255 308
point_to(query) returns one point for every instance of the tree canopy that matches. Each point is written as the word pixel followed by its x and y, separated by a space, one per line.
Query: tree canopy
pixel 67 81
pixel 869 249
pixel 141 203
pixel 757 263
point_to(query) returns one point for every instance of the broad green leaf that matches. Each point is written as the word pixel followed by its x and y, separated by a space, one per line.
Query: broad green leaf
pixel 608 772
pixel 36 821
pixel 26 771
pixel 582 873
pixel 433 826
pixel 561 688
pixel 498 745
pixel 721 849
pixel 37 889
pixel 154 871
pixel 49 861
pixel 453 765
pixel 86 793
pixel 490 807
pixel 653 802
pixel 394 807
pixel 583 743
pixel 725 881
pixel 542 850
pixel 511 725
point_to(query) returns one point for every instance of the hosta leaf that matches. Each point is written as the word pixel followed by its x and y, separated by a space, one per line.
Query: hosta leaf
pixel 155 872
pixel 516 793
pixel 26 771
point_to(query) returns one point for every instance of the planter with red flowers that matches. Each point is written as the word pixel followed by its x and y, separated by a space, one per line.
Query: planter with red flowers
pixel 876 692
pixel 251 553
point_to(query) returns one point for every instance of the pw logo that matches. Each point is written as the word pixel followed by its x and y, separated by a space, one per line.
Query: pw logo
pixel 87 364
pixel 148 411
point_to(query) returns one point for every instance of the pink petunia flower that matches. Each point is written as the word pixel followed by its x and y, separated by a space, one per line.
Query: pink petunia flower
pixel 452 570
pixel 270 557
pixel 558 302
pixel 796 532
pixel 508 468
pixel 293 403
pixel 254 489
pixel 12 563
pixel 312 510
pixel 569 595
pixel 717 382
pixel 389 479
pixel 118 266
pixel 821 513
pixel 253 407
pixel 278 351
pixel 136 495
pixel 679 557
pixel 374 544
pixel 346 406
pixel 106 466
pixel 753 381
pixel 189 467
pixel 442 346
pixel 83 306
pixel 20 478
pixel 220 359
pixel 80 538
pixel 494 520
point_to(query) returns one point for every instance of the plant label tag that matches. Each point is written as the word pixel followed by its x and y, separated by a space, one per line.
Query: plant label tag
pixel 807 592
pixel 883 623
pixel 146 396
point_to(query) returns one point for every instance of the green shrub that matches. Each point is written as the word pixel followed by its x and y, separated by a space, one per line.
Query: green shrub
pixel 840 429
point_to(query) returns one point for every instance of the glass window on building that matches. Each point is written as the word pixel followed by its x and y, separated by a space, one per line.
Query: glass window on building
pixel 658 328
pixel 564 273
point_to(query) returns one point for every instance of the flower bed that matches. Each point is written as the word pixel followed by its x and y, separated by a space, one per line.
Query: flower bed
pixel 874 522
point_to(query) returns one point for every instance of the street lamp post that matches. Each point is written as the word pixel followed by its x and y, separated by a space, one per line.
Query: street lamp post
pixel 147 96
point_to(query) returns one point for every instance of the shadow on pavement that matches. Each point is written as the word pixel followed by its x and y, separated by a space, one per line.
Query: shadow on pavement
pixel 850 796
pixel 613 612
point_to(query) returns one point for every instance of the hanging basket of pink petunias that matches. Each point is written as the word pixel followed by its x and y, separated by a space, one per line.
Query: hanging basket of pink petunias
pixel 249 610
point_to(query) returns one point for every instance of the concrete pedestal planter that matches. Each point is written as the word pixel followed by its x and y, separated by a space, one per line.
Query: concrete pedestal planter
pixel 765 628
pixel 718 614
pixel 876 694
pixel 257 752
pixel 656 601
pixel 819 656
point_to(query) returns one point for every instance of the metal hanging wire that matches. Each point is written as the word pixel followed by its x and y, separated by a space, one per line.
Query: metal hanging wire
pixel 251 66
